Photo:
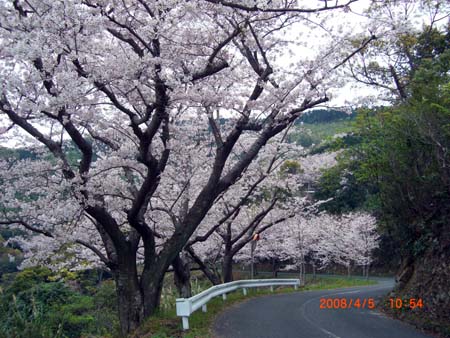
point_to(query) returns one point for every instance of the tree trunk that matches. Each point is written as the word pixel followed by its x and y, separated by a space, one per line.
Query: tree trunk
pixel 227 268
pixel 213 277
pixel 304 272
pixel 314 271
pixel 182 276
pixel 129 297
pixel 301 271
pixel 151 286
pixel 275 266
pixel 227 263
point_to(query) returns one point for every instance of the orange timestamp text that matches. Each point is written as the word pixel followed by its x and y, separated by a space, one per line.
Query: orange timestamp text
pixel 408 303
pixel 344 303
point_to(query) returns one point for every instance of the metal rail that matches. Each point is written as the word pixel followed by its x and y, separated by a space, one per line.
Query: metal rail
pixel 186 306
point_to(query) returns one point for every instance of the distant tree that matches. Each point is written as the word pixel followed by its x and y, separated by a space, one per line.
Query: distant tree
pixel 322 239
pixel 324 116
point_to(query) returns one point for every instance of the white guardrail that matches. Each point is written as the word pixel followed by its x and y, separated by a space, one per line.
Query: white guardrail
pixel 186 306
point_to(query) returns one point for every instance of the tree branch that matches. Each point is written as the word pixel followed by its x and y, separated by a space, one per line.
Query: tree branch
pixel 54 147
pixel 255 8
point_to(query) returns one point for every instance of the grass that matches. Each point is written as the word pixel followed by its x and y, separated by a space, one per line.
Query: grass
pixel 166 324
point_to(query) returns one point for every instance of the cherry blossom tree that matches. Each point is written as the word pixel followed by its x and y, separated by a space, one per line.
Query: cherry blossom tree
pixel 297 236
pixel 364 238
pixel 346 240
pixel 305 239
pixel 272 194
pixel 237 234
pixel 128 84
pixel 236 215
pixel 322 239
pixel 254 204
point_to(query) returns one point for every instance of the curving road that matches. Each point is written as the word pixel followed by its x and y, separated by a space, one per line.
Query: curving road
pixel 299 315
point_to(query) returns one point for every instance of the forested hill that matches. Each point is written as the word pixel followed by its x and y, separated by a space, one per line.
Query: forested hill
pixel 19 153
pixel 315 116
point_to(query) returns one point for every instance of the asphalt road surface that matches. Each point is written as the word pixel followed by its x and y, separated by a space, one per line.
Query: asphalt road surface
pixel 299 315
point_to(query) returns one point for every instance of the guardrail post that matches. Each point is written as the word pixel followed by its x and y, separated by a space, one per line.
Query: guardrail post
pixel 244 291
pixel 224 296
pixel 204 308
pixel 295 286
pixel 271 288
pixel 185 323
pixel 184 311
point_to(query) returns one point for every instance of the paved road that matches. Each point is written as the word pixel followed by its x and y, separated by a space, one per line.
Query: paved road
pixel 299 315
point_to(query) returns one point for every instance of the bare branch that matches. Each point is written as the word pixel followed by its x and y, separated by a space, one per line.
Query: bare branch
pixel 364 44
pixel 278 10
pixel 96 251
pixel 138 50
pixel 54 147
pixel 209 70
pixel 27 226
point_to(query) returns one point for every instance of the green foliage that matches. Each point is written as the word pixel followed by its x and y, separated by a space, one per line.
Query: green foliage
pixel 324 116
pixel 27 278
pixel 308 135
pixel 403 158
pixel 105 308
pixel 406 155
pixel 9 257
pixel 303 138
pixel 35 306
pixel 18 154
pixel 45 310
pixel 341 186
pixel 291 167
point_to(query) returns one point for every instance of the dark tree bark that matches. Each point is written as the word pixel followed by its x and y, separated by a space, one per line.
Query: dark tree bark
pixel 227 268
pixel 130 303
pixel 227 261
pixel 129 294
pixel 212 276
pixel 151 282
pixel 182 276
pixel 275 267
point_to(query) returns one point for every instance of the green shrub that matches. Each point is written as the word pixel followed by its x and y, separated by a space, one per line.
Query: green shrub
pixel 34 306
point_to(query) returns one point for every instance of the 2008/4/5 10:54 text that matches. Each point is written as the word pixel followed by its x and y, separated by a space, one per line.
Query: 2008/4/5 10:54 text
pixel 368 303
